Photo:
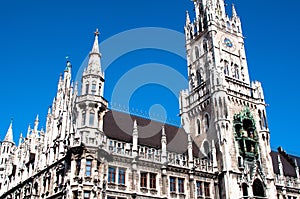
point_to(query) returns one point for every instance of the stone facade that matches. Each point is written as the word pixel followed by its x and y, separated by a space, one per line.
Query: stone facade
pixel 221 151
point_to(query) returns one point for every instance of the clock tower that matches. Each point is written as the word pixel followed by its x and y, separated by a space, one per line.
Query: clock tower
pixel 222 110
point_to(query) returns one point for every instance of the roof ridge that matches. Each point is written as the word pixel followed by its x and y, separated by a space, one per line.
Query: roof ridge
pixel 145 117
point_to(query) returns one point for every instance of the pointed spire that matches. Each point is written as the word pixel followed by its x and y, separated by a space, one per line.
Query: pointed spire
pixel 20 139
pixel 9 134
pixel 36 123
pixel 234 14
pixel 94 64
pixel 135 139
pixel 95 48
pixel 188 20
pixel 135 130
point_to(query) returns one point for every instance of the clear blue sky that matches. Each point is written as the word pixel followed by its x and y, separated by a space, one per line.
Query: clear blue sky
pixel 36 36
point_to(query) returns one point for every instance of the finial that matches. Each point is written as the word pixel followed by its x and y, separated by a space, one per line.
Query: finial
pixel 96 32
pixel 68 65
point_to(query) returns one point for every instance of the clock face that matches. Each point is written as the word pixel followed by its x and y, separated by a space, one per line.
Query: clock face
pixel 228 42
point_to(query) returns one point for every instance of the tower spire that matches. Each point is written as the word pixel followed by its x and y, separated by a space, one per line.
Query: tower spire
pixel 94 64
pixel 9 133
pixel 36 123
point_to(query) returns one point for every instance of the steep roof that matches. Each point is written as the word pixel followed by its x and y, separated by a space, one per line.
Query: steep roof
pixel 119 126
pixel 287 161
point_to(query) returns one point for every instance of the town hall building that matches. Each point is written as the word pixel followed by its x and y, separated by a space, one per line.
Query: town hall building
pixel 220 151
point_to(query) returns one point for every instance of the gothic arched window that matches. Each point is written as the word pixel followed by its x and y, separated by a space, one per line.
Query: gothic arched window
pixel 206 122
pixel 258 188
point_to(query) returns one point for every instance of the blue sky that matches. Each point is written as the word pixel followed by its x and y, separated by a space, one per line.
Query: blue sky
pixel 36 36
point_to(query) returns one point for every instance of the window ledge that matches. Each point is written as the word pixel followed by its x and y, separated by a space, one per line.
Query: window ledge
pixel 144 190
pixel 122 187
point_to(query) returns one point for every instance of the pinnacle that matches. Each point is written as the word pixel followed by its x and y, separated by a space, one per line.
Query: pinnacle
pixel 9 134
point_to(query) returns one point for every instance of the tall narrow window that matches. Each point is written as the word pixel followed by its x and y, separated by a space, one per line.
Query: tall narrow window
pixel 206 189
pixel 206 117
pixel 172 184
pixel 265 124
pixel 88 167
pixel 198 76
pixel 152 180
pixel 260 119
pixel 197 54
pixel 78 167
pixel 122 176
pixel 87 88
pixel 93 89
pixel 198 127
pixel 180 185
pixel 245 189
pixel 92 118
pixel 226 68
pixel 83 119
pixel 198 188
pixel 236 72
pixel 111 174
pixel 143 182
pixel 205 48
